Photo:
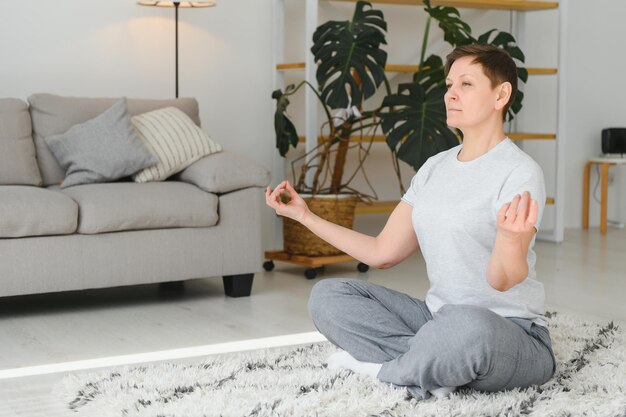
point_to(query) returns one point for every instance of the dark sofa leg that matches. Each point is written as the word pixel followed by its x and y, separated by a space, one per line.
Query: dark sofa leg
pixel 238 285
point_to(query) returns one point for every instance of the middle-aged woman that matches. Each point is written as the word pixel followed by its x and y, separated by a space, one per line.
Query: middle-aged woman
pixel 473 211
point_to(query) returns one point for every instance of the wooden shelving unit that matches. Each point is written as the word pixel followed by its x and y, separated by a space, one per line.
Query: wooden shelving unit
pixel 516 5
pixel 513 136
pixel 311 127
pixel 410 68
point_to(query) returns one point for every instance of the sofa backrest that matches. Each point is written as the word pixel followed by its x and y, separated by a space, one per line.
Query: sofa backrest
pixel 52 114
pixel 18 163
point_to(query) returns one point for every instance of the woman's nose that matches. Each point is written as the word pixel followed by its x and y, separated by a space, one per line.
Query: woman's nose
pixel 450 95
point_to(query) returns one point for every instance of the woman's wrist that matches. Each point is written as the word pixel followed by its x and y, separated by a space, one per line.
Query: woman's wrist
pixel 306 218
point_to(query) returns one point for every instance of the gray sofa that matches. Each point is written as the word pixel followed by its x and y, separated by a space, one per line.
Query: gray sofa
pixel 203 222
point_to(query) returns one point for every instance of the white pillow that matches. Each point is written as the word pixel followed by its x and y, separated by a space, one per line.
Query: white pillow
pixel 174 139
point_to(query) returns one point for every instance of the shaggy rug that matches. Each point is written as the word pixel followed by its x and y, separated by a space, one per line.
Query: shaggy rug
pixel 590 381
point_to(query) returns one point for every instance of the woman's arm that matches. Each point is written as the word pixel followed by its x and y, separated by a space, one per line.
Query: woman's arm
pixel 395 242
pixel 508 265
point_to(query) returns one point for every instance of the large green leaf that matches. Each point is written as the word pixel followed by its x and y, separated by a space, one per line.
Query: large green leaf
pixel 285 130
pixel 415 122
pixel 455 31
pixel 344 48
pixel 507 42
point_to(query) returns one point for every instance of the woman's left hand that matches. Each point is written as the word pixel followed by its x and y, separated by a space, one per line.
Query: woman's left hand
pixel 517 218
pixel 508 264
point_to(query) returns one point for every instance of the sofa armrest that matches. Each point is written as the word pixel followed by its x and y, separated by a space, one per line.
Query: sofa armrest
pixel 223 172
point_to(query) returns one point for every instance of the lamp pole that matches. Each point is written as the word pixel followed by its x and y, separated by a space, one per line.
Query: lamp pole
pixel 176 4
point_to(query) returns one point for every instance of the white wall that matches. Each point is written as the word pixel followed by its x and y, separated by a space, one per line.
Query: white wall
pixel 596 84
pixel 114 48
pixel 594 73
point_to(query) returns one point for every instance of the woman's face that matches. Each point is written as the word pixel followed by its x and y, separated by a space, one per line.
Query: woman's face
pixel 470 99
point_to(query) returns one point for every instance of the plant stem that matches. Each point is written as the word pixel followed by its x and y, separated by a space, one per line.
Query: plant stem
pixel 424 42
pixel 324 156
pixel 340 158
pixel 328 115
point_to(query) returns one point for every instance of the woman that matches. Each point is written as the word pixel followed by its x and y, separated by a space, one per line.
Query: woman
pixel 473 211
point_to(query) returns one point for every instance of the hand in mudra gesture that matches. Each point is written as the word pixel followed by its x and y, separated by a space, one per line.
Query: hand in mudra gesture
pixel 295 209
pixel 518 217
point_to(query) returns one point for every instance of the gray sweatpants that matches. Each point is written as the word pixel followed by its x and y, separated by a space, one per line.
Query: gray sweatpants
pixel 460 345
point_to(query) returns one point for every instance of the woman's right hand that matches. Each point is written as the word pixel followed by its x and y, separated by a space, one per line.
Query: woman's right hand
pixel 295 209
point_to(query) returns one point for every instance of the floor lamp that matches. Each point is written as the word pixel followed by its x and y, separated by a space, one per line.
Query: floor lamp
pixel 176 5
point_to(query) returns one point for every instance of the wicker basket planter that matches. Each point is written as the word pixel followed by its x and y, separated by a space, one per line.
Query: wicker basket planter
pixel 339 209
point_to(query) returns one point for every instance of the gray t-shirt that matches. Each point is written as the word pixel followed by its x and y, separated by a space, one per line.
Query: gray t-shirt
pixel 455 208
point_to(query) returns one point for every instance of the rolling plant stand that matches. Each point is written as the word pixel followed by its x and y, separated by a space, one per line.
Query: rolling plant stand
pixel 313 263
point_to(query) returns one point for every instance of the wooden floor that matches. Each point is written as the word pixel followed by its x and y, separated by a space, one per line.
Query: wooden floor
pixel 585 274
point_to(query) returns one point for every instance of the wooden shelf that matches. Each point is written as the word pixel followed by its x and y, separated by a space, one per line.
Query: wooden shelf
pixel 382 206
pixel 412 68
pixel 294 65
pixel 518 5
pixel 542 71
pixel 376 207
pixel 532 136
pixel 513 136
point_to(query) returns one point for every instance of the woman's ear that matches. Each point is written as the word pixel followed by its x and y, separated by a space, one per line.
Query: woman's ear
pixel 504 94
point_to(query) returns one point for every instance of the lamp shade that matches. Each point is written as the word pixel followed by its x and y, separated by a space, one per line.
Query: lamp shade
pixel 202 3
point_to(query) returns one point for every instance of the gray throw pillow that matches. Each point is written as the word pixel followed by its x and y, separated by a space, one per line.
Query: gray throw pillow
pixel 103 149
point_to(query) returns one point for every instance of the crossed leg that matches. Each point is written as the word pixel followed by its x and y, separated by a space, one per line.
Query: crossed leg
pixel 394 337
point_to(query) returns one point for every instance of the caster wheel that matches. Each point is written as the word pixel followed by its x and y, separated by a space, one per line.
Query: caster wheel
pixel 268 265
pixel 310 273
pixel 362 267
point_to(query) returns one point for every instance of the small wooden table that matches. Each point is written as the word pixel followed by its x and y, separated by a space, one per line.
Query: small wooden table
pixel 604 163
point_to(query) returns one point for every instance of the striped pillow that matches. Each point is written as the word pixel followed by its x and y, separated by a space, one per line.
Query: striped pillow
pixel 174 139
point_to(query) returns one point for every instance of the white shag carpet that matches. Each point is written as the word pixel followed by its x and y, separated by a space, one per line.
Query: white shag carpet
pixel 590 380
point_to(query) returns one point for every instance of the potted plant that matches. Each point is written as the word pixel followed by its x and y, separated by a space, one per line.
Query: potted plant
pixel 351 68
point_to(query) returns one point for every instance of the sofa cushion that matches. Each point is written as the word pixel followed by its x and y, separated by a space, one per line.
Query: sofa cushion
pixel 113 207
pixel 52 114
pixel 18 163
pixel 173 139
pixel 225 172
pixel 34 211
pixel 103 149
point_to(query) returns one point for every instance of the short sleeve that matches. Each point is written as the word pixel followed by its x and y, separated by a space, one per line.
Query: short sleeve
pixel 420 177
pixel 410 196
pixel 528 176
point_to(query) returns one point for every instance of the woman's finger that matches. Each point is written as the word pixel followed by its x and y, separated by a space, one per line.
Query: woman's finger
pixel 273 196
pixel 522 210
pixel 532 213
pixel 291 190
pixel 289 187
pixel 502 212
pixel 511 215
pixel 277 191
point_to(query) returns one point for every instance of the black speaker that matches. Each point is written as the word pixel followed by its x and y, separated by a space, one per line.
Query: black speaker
pixel 614 140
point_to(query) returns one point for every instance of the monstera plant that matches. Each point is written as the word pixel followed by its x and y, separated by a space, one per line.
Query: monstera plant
pixel 350 69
